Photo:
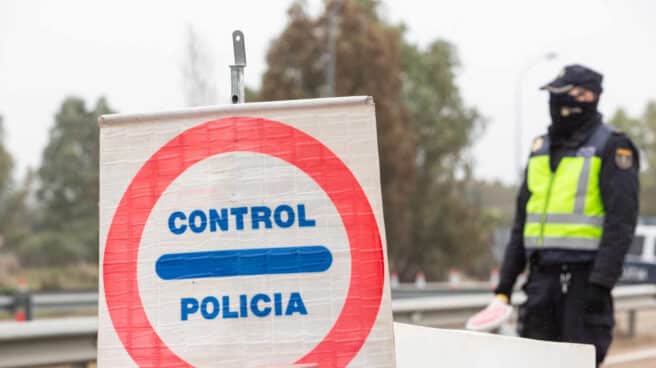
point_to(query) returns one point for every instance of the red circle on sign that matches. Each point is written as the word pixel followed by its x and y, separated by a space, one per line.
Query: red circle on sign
pixel 243 134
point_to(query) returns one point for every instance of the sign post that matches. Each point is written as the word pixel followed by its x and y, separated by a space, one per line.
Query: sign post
pixel 237 70
pixel 249 235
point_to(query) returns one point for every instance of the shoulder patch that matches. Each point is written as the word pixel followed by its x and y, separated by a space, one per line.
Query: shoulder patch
pixel 624 158
pixel 537 144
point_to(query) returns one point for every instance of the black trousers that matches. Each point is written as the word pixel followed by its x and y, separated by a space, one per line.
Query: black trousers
pixel 555 308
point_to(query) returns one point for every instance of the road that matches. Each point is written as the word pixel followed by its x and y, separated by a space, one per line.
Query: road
pixel 645 342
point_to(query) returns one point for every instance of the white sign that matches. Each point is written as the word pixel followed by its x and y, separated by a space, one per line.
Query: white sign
pixel 244 236
pixel 418 346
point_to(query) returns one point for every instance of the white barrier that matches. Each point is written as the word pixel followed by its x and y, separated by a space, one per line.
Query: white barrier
pixel 418 346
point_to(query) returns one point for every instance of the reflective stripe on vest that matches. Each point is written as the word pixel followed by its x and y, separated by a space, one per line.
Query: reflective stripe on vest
pixel 565 209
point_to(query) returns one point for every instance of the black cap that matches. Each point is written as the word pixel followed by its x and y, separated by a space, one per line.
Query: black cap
pixel 575 75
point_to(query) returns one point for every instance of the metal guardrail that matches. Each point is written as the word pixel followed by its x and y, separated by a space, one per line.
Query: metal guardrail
pixel 59 302
pixel 453 310
pixel 48 342
pixel 88 300
pixel 6 302
pixel 65 300
pixel 73 340
pixel 405 298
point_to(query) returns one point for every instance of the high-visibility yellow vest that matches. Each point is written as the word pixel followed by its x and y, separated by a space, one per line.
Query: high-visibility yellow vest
pixel 565 209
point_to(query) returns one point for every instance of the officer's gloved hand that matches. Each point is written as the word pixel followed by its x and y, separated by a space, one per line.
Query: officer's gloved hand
pixel 492 317
pixel 596 297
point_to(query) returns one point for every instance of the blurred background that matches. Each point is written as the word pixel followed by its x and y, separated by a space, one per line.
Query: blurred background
pixel 455 85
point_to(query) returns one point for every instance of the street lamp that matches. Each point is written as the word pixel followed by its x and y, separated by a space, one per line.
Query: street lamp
pixel 518 109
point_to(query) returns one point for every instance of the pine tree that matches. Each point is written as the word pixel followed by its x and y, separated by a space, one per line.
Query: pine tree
pixel 67 224
pixel 424 128
pixel 367 52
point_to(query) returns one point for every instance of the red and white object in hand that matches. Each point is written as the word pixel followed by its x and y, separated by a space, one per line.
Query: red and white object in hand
pixel 492 317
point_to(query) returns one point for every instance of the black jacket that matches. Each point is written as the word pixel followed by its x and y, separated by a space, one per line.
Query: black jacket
pixel 619 192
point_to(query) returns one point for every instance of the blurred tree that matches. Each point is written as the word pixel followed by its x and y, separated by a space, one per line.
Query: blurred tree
pixel 17 216
pixel 16 223
pixel 447 217
pixel 424 128
pixel 295 60
pixel 6 161
pixel 498 199
pixel 6 165
pixel 368 63
pixel 642 131
pixel 66 227
pixel 198 71
pixel 251 95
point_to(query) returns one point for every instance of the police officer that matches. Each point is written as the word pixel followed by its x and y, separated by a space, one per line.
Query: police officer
pixel 576 213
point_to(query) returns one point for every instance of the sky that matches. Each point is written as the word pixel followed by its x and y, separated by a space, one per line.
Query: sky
pixel 132 53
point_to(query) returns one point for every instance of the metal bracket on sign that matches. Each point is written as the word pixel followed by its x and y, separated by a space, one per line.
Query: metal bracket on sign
pixel 237 70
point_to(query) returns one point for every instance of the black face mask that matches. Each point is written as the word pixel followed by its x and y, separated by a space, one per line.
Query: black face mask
pixel 568 114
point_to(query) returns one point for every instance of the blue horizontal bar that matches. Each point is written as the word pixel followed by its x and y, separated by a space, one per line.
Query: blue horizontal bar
pixel 245 262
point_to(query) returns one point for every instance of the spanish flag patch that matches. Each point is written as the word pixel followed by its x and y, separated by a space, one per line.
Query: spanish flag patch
pixel 624 158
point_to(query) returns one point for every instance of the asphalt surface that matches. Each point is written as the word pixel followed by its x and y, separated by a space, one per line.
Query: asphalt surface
pixel 645 341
